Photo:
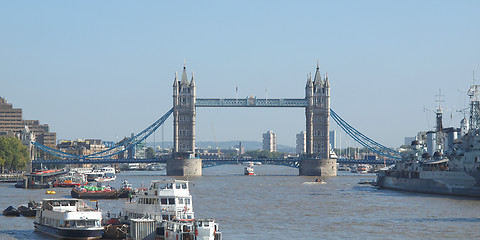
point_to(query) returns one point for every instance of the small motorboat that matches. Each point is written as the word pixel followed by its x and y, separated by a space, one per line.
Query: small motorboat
pixel 319 180
pixel 316 181
pixel 11 211
pixel 30 210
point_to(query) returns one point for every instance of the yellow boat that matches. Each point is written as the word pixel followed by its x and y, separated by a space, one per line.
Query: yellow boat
pixel 50 192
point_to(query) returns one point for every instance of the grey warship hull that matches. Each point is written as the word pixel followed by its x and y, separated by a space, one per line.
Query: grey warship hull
pixel 435 182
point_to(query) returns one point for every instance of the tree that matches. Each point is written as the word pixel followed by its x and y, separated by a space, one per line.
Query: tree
pixel 13 155
pixel 150 153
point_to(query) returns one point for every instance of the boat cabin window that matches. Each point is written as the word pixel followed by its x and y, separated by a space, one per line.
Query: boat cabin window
pixel 178 186
pixel 163 201
pixel 180 200
pixel 159 185
pixel 165 217
pixel 169 185
pixel 187 200
pixel 171 201
pixel 184 186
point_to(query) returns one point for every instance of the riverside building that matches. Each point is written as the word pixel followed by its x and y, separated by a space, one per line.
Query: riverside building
pixel 11 123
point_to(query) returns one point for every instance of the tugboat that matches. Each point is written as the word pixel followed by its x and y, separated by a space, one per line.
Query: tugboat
pixel 248 170
pixel 68 218
pixel 126 190
pixel 169 203
pixel 444 164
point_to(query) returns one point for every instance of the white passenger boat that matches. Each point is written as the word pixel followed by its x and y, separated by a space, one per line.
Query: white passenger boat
pixel 102 175
pixel 68 218
pixel 169 203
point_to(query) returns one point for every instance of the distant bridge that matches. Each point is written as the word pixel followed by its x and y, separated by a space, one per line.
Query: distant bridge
pixel 208 162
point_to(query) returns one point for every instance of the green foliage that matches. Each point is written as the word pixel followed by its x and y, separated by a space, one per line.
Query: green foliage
pixel 150 153
pixel 13 155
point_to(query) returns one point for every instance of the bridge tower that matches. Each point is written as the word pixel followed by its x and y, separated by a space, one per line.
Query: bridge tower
pixel 184 161
pixel 316 161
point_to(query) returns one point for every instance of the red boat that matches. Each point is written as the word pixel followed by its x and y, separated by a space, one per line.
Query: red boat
pixel 71 180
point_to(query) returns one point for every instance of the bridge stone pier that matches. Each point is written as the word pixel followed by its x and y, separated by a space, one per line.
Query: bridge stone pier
pixel 315 162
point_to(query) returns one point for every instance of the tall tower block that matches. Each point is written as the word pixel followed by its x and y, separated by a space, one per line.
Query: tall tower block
pixel 184 161
pixel 316 161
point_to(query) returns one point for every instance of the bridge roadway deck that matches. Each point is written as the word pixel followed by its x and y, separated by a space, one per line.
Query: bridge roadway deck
pixel 207 162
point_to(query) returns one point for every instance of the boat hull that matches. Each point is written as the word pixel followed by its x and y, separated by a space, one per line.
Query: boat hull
pixel 69 233
pixel 94 195
pixel 27 212
pixel 68 185
pixel 434 186
pixel 21 184
pixel 11 211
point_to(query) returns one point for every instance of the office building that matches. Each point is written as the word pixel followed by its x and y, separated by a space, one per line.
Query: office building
pixel 270 141
pixel 301 143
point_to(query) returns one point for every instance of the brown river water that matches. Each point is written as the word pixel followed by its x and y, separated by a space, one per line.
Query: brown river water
pixel 279 204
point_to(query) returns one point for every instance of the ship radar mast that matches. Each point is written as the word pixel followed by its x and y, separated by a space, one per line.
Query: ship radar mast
pixel 439 128
pixel 474 95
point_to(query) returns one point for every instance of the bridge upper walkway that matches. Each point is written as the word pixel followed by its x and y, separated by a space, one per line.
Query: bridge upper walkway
pixel 251 102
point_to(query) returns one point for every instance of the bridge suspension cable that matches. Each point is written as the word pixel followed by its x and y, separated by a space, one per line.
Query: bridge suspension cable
pixel 118 148
pixel 364 140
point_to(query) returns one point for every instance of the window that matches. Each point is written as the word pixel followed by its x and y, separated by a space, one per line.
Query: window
pixel 177 186
pixel 169 185
pixel 184 186
pixel 180 200
pixel 171 201
pixel 163 201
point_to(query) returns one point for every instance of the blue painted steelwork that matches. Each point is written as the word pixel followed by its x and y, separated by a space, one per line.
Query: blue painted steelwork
pixel 118 148
pixel 289 162
pixel 250 102
pixel 105 156
pixel 364 140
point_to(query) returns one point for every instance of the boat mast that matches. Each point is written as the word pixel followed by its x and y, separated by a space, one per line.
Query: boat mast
pixel 439 128
pixel 474 95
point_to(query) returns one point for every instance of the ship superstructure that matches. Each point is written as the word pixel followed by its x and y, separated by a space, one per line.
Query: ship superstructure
pixel 169 203
pixel 448 162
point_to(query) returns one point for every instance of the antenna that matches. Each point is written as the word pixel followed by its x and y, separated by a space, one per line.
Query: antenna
pixel 439 98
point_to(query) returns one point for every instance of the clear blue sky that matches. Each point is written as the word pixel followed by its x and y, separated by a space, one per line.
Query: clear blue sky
pixel 104 69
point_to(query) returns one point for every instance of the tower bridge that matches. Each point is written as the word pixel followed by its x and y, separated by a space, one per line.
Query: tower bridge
pixel 316 161
pixel 183 162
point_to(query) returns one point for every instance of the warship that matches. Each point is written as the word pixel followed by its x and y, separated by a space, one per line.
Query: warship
pixel 443 161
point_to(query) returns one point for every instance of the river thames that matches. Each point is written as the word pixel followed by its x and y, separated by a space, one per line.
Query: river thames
pixel 279 204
